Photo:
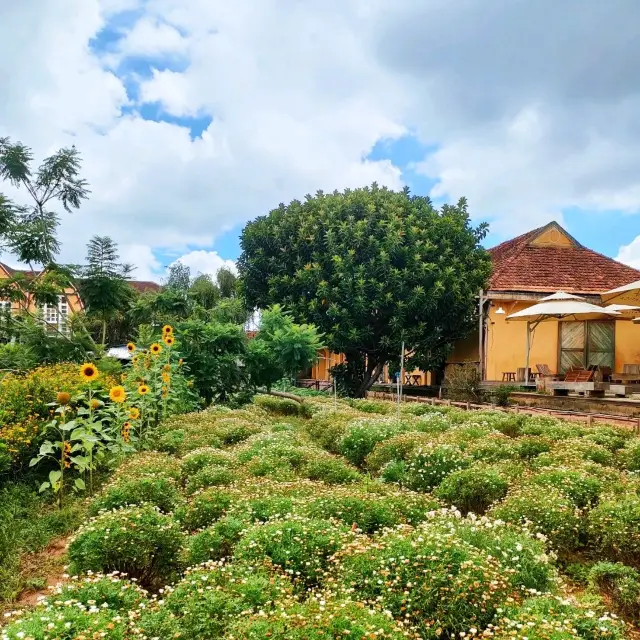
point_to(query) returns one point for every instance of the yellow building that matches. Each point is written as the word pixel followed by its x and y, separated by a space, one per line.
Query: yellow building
pixel 54 316
pixel 527 268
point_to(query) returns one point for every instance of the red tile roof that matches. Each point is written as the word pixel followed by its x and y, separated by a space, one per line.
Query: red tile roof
pixel 142 286
pixel 518 266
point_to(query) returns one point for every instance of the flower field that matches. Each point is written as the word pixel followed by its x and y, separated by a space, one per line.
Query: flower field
pixel 350 520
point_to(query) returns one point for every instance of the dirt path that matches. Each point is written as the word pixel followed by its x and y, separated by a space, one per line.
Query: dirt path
pixel 48 565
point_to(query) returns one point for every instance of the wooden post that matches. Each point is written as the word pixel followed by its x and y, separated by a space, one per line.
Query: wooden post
pixel 589 420
pixel 468 407
pixel 638 427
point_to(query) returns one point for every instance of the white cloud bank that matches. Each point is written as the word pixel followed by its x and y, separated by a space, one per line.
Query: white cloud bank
pixel 531 109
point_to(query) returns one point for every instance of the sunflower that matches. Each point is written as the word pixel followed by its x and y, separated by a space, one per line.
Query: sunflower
pixel 95 403
pixel 155 348
pixel 118 394
pixel 143 389
pixel 165 392
pixel 169 339
pixel 167 330
pixel 135 359
pixel 131 347
pixel 166 377
pixel 89 371
pixel 166 367
pixel 126 431
pixel 134 413
pixel 63 397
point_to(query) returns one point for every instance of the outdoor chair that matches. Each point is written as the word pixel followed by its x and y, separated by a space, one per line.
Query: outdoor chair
pixel 545 372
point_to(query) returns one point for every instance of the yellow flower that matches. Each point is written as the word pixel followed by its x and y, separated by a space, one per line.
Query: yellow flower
pixel 118 394
pixel 167 367
pixel 165 392
pixel 131 347
pixel 63 397
pixel 89 371
pixel 166 377
pixel 169 339
pixel 95 403
pixel 135 359
pixel 134 413
pixel 167 329
pixel 155 348
pixel 143 389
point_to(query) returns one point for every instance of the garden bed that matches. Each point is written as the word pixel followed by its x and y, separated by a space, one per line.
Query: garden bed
pixel 323 520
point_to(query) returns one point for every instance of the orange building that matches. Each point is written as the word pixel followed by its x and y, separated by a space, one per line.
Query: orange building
pixel 54 316
pixel 525 269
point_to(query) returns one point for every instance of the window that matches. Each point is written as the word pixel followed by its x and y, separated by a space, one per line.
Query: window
pixel 586 344
pixel 56 315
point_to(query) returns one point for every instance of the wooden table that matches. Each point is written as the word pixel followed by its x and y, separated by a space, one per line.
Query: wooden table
pixel 508 376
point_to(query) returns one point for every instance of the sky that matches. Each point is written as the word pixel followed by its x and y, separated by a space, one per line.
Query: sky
pixel 195 116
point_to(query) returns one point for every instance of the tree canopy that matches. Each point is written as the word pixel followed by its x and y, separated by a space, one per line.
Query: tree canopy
pixel 370 268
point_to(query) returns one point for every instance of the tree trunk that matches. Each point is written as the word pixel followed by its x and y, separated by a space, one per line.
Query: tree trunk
pixel 283 394
pixel 104 332
pixel 374 369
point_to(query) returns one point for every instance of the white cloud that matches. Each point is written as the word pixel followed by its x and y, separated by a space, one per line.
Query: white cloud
pixel 147 266
pixel 630 253
pixel 531 109
pixel 205 262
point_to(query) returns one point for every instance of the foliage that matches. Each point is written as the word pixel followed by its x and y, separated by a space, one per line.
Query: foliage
pixel 370 268
pixel 362 435
pixel 621 584
pixel 300 546
pixel 16 357
pixel 103 282
pixel 213 351
pixel 545 511
pixel 204 509
pixel 31 230
pixel 474 489
pixel 212 475
pixel 614 530
pixel 428 466
pixel 209 597
pixel 330 469
pixel 462 383
pixel 465 585
pixel 138 541
pixel 157 491
pixel 215 542
pixel 583 490
pixel 280 406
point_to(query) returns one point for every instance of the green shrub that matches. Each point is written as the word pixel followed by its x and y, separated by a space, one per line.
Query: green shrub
pixel 328 428
pixel 581 449
pixel 463 589
pixel 368 513
pixel 197 459
pixel 204 508
pixel 362 435
pixel 210 597
pixel 170 441
pixel 372 406
pixel 111 592
pixel 330 469
pixel 67 623
pixel 630 455
pixel 264 508
pixel 614 530
pixel 212 475
pixel 494 448
pixel 139 541
pixel 522 556
pixel 611 438
pixel 5 459
pixel 621 584
pixel 431 464
pixel 551 618
pixel 545 511
pixel 149 463
pixel 582 489
pixel 319 621
pixel 531 446
pixel 215 542
pixel 235 430
pixel 395 449
pixel 157 491
pixel 281 406
pixel 473 489
pixel 300 546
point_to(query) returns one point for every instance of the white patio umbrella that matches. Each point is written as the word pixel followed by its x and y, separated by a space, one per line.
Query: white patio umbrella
pixel 626 311
pixel 559 306
pixel 627 294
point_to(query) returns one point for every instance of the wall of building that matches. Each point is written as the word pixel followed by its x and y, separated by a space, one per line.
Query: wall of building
pixel 506 347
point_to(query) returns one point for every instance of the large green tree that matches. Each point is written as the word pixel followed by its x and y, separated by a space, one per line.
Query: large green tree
pixel 103 285
pixel 29 231
pixel 371 268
